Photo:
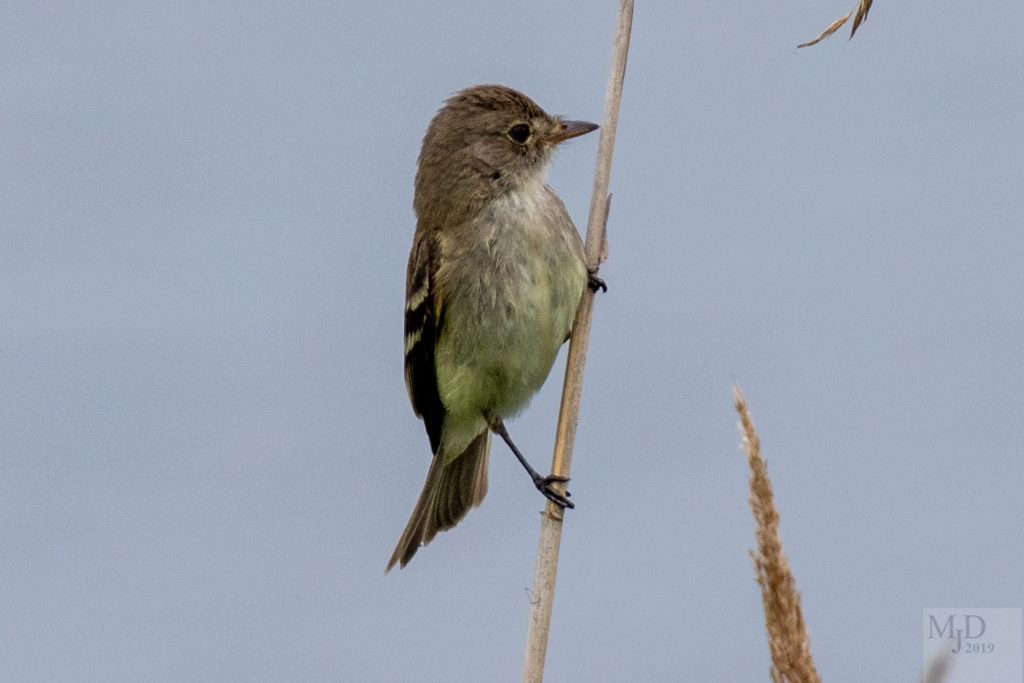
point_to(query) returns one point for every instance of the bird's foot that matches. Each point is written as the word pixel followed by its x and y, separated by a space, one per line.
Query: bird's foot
pixel 544 485
pixel 594 282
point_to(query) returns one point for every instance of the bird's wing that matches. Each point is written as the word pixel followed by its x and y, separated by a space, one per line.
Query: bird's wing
pixel 423 314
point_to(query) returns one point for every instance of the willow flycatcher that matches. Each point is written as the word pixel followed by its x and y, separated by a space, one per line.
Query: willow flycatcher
pixel 495 276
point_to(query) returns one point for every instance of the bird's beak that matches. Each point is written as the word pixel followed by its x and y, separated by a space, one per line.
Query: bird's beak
pixel 571 129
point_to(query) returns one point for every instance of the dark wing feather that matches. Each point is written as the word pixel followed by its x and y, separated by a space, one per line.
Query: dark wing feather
pixel 422 324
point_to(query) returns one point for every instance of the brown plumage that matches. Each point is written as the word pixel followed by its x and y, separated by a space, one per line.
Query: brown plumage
pixel 448 494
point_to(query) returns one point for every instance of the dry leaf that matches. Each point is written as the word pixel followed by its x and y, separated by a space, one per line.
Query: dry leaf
pixel 835 27
pixel 862 14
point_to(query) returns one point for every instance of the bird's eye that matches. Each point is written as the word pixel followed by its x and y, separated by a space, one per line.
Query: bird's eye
pixel 519 133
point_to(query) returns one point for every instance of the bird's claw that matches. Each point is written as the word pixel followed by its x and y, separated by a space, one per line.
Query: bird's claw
pixel 544 485
pixel 595 283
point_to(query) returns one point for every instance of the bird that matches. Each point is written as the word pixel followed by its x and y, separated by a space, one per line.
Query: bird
pixel 494 278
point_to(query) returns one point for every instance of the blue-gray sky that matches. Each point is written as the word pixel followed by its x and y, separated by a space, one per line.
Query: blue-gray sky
pixel 206 448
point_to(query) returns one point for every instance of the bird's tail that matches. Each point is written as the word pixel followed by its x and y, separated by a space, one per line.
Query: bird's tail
pixel 448 494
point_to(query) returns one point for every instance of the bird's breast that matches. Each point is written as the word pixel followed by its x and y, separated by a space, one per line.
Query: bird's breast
pixel 521 275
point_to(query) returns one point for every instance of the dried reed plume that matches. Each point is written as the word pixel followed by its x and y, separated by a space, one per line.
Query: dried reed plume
pixel 787 635
pixel 938 668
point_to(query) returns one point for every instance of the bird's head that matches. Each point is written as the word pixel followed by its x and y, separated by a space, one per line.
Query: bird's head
pixel 485 141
